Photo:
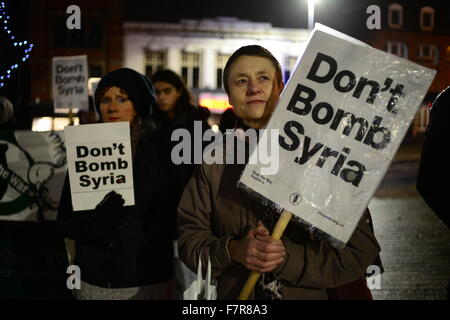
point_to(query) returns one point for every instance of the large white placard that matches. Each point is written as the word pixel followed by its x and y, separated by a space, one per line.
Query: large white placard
pixel 99 160
pixel 341 119
pixel 70 83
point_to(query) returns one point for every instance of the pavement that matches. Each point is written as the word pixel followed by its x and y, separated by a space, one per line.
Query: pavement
pixel 415 252
pixel 415 243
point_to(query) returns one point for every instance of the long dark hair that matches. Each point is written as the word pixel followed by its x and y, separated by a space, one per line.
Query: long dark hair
pixel 185 101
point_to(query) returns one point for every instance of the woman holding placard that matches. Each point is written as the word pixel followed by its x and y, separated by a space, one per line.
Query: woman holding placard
pixel 219 221
pixel 125 252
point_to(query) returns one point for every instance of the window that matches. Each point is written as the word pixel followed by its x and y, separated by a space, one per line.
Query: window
pixel 190 69
pixel 447 54
pixel 220 64
pixel 289 67
pixel 95 34
pixel 428 52
pixel 427 18
pixel 89 36
pixel 155 60
pixel 60 33
pixel 95 71
pixel 395 16
pixel 398 48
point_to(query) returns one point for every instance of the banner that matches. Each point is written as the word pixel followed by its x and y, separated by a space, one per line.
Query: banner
pixel 32 171
pixel 99 160
pixel 70 83
pixel 341 119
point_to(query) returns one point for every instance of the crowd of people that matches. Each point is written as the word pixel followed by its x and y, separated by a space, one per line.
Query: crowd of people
pixel 126 252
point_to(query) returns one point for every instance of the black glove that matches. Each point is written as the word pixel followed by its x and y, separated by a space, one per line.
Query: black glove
pixel 101 224
pixel 110 209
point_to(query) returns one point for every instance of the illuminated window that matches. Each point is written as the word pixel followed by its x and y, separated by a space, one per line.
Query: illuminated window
pixel 395 16
pixel 427 18
pixel 398 48
pixel 428 52
pixel 220 64
pixel 447 54
pixel 289 67
pixel 155 60
pixel 190 69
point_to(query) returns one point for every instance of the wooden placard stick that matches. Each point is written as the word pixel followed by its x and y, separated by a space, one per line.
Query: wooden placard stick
pixel 277 232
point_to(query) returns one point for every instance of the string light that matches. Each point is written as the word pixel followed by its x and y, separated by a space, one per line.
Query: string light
pixel 25 45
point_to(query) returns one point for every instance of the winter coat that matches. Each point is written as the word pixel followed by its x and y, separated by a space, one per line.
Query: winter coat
pixel 179 174
pixel 143 252
pixel 213 211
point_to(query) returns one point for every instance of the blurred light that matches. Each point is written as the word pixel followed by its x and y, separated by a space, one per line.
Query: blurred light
pixel 49 123
pixel 216 103
pixel 215 128
pixel 21 43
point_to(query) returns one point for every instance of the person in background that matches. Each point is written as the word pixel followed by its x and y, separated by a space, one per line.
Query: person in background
pixel 218 220
pixel 177 111
pixel 6 114
pixel 227 120
pixel 435 157
pixel 125 252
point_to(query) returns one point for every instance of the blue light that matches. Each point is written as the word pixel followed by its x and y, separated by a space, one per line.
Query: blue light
pixel 5 17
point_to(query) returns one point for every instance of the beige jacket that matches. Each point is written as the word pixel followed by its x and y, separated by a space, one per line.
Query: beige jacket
pixel 213 210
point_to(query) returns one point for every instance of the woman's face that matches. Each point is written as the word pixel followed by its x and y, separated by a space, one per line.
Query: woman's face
pixel 254 89
pixel 115 106
pixel 166 95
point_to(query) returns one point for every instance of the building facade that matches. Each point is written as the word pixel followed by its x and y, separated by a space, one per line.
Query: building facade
pixel 420 32
pixel 199 49
pixel 100 38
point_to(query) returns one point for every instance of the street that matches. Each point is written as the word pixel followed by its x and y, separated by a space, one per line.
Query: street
pixel 415 243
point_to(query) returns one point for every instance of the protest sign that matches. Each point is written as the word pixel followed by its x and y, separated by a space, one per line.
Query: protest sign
pixel 99 161
pixel 70 83
pixel 32 171
pixel 341 119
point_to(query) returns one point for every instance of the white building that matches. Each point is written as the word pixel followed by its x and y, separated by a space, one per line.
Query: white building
pixel 199 49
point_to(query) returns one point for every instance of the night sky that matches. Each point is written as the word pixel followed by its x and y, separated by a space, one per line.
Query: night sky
pixel 344 15
pixel 281 13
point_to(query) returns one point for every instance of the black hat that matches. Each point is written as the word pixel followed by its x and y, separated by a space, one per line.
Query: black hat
pixel 139 88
